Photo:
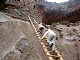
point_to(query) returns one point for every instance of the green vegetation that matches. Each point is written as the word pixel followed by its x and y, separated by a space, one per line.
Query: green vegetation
pixel 63 22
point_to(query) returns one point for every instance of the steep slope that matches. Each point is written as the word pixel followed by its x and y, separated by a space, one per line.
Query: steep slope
pixel 18 41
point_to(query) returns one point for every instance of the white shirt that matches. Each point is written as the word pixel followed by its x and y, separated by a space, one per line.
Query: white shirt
pixel 49 33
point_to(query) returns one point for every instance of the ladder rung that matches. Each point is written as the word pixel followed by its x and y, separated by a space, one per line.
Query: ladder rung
pixel 51 55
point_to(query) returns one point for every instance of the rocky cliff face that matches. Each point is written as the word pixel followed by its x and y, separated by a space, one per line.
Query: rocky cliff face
pixel 14 44
pixel 16 40
pixel 54 12
pixel 56 16
pixel 68 11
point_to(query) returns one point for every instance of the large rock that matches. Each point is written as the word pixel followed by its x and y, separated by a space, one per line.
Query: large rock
pixel 56 16
pixel 13 42
pixel 68 41
pixel 23 51
pixel 54 12
pixel 3 19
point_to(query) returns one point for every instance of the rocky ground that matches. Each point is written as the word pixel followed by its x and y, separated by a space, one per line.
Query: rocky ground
pixel 17 36
pixel 68 41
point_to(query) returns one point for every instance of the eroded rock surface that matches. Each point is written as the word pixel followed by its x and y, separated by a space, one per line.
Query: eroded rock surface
pixel 15 41
pixel 23 51
pixel 68 41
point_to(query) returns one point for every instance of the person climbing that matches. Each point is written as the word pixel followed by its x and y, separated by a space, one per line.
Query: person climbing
pixel 41 28
pixel 51 38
